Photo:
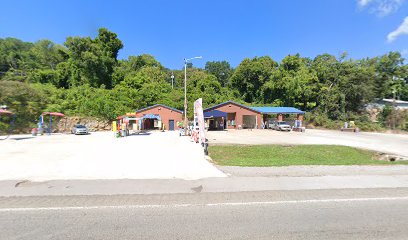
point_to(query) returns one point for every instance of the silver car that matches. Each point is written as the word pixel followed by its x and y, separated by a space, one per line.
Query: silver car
pixel 79 129
pixel 282 126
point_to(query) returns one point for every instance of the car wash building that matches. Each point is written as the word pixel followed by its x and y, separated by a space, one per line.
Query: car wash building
pixel 232 115
pixel 155 116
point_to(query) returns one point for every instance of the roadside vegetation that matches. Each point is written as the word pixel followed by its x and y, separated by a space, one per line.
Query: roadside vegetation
pixel 84 77
pixel 280 155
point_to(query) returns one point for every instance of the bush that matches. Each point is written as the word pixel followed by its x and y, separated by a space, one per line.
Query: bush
pixel 362 121
pixel 369 126
pixel 321 120
pixel 23 100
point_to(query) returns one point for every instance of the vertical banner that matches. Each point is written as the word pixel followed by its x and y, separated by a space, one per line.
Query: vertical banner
pixel 199 119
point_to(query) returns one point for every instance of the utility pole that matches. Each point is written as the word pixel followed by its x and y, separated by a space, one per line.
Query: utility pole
pixel 185 90
pixel 393 109
pixel 394 112
pixel 185 96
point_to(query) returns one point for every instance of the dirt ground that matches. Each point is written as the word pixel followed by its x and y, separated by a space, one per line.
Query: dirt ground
pixel 158 155
pixel 387 143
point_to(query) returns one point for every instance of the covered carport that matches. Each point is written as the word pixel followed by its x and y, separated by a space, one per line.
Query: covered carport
pixel 291 115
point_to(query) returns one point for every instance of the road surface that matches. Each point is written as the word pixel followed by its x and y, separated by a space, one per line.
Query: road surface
pixel 313 214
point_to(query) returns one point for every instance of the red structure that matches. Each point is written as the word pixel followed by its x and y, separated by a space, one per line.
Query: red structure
pixel 56 114
pixel 168 115
pixel 238 115
pixel 5 112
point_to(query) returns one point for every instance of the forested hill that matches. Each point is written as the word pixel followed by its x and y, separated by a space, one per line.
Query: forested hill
pixel 84 77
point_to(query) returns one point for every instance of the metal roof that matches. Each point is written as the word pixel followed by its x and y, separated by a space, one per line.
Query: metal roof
pixel 392 101
pixel 228 102
pixel 159 105
pixel 215 114
pixel 262 110
pixel 275 110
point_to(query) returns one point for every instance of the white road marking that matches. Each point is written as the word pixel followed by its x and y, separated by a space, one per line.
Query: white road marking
pixel 339 200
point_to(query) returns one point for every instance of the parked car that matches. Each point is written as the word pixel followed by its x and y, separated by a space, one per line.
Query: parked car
pixel 271 124
pixel 282 126
pixel 79 129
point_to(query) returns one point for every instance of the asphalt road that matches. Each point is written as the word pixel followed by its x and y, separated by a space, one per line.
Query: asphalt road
pixel 313 214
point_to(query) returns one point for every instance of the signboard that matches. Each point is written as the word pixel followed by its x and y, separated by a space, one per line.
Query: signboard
pixel 114 126
pixel 199 119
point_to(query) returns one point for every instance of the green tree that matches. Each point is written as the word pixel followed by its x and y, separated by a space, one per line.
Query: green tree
pixel 92 61
pixel 222 70
pixel 296 82
pixel 48 55
pixel 23 100
pixel 388 69
pixel 251 75
pixel 145 75
pixel 132 65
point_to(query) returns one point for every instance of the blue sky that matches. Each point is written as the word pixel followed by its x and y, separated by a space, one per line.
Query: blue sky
pixel 218 30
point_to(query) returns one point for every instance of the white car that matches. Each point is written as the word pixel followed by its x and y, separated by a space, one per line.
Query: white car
pixel 79 129
pixel 282 126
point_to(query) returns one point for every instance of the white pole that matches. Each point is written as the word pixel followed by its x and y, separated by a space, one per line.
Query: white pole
pixel 185 94
pixel 393 109
pixel 172 80
pixel 185 89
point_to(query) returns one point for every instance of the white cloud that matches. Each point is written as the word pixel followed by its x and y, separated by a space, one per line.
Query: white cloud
pixel 381 7
pixel 401 30
pixel 363 3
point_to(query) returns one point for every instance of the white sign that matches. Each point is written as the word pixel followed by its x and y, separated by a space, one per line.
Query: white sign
pixel 199 119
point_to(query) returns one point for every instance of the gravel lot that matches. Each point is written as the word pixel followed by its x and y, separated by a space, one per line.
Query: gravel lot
pixel 388 143
pixel 159 155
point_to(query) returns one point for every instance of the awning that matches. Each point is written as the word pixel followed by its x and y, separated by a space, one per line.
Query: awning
pixel 215 114
pixel 151 116
pixel 3 111
pixel 127 118
pixel 53 114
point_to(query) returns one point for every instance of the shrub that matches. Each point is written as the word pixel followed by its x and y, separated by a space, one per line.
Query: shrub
pixel 370 126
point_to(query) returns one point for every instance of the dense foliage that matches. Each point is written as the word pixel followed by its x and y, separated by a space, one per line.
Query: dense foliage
pixel 84 77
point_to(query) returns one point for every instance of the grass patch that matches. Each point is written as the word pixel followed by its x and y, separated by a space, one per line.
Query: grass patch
pixel 280 155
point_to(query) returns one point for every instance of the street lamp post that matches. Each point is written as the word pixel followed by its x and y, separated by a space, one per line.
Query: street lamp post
pixel 172 80
pixel 394 112
pixel 393 109
pixel 185 89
